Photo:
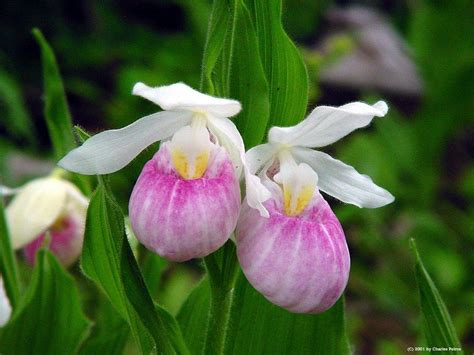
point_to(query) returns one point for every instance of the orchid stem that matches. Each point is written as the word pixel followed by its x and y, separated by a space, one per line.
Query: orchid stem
pixel 222 280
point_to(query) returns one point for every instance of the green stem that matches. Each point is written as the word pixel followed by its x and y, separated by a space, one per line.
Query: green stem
pixel 222 280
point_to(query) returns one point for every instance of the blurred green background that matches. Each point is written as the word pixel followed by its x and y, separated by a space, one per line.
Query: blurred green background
pixel 416 55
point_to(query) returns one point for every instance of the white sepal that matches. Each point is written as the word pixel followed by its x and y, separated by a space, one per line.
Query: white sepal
pixel 111 150
pixel 5 306
pixel 343 181
pixel 180 96
pixel 259 156
pixel 326 124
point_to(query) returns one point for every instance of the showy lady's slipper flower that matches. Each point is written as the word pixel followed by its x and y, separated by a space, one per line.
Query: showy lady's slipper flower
pixel 49 205
pixel 298 256
pixel 186 201
pixel 5 307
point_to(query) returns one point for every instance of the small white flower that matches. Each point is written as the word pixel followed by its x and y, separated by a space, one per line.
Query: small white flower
pixel 291 149
pixel 5 307
pixel 112 150
pixel 39 205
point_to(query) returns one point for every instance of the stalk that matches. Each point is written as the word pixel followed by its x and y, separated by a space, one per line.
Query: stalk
pixel 222 280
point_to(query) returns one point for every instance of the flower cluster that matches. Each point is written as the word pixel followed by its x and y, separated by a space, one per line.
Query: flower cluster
pixel 186 202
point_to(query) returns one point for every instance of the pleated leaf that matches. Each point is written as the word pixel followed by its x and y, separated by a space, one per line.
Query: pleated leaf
pixel 56 110
pixel 108 260
pixel 8 266
pixel 49 319
pixel 283 65
pixel 109 334
pixel 193 317
pixel 232 67
pixel 437 325
pixel 259 327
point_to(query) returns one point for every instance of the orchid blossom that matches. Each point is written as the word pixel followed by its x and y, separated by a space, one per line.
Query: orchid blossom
pixel 47 205
pixel 295 252
pixel 186 201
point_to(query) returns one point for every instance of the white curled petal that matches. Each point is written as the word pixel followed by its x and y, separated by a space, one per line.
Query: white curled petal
pixel 256 193
pixel 5 306
pixel 180 96
pixel 230 138
pixel 258 156
pixel 111 150
pixel 34 209
pixel 343 181
pixel 326 125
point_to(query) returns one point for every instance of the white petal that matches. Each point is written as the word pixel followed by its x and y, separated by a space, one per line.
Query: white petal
pixel 258 156
pixel 5 307
pixel 326 125
pixel 35 208
pixel 343 181
pixel 256 193
pixel 180 96
pixel 111 150
pixel 230 138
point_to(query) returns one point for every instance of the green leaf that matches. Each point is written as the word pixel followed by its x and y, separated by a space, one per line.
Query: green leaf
pixel 232 67
pixel 284 67
pixel 49 319
pixel 109 334
pixel 248 83
pixel 152 269
pixel 56 110
pixel 274 330
pixel 8 265
pixel 437 325
pixel 108 260
pixel 15 117
pixel 193 317
pixel 259 327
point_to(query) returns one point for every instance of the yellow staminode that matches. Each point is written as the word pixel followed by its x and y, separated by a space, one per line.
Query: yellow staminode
pixel 190 150
pixel 294 205
pixel 298 182
pixel 190 169
pixel 58 224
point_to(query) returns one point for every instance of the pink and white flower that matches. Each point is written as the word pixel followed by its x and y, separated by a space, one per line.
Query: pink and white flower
pixel 186 201
pixel 49 205
pixel 294 250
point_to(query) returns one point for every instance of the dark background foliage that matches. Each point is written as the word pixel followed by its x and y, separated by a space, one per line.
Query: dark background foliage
pixel 422 151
